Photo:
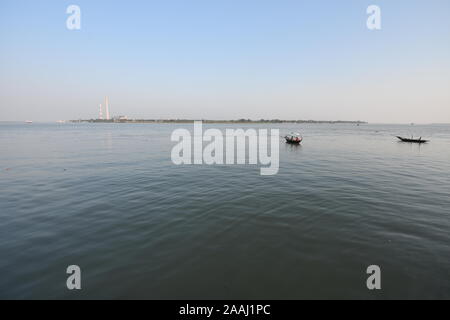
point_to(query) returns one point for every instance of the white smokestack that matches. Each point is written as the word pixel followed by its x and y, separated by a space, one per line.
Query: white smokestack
pixel 107 108
pixel 100 112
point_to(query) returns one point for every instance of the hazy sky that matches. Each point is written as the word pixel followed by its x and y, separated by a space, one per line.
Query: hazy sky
pixel 226 59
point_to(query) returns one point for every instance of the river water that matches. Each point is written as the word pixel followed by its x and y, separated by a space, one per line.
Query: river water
pixel 108 198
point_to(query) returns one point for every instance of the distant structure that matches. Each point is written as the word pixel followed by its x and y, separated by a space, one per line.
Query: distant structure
pixel 107 108
pixel 100 112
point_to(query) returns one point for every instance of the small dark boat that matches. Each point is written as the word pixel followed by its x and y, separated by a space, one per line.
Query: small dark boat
pixel 293 138
pixel 412 140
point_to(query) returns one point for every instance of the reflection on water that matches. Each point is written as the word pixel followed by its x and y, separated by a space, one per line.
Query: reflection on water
pixel 108 198
pixel 292 147
pixel 108 140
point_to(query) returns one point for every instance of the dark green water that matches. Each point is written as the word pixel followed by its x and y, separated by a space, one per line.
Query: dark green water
pixel 107 197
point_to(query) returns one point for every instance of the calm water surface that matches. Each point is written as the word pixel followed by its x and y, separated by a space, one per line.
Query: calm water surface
pixel 107 197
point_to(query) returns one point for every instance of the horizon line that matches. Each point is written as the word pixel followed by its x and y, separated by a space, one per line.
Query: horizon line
pixel 168 121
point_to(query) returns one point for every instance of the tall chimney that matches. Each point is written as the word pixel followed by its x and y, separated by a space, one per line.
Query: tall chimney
pixel 107 108
pixel 100 112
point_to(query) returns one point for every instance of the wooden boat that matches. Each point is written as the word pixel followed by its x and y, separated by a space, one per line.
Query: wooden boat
pixel 293 138
pixel 412 140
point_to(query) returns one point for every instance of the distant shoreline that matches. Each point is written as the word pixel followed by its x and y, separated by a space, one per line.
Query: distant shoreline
pixel 239 121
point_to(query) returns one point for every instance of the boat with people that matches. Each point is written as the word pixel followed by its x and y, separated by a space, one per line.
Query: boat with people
pixel 412 140
pixel 294 138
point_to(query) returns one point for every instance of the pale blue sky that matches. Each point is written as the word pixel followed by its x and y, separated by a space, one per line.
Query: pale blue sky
pixel 226 60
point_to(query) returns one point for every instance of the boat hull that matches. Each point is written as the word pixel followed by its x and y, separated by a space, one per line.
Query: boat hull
pixel 288 141
pixel 412 140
